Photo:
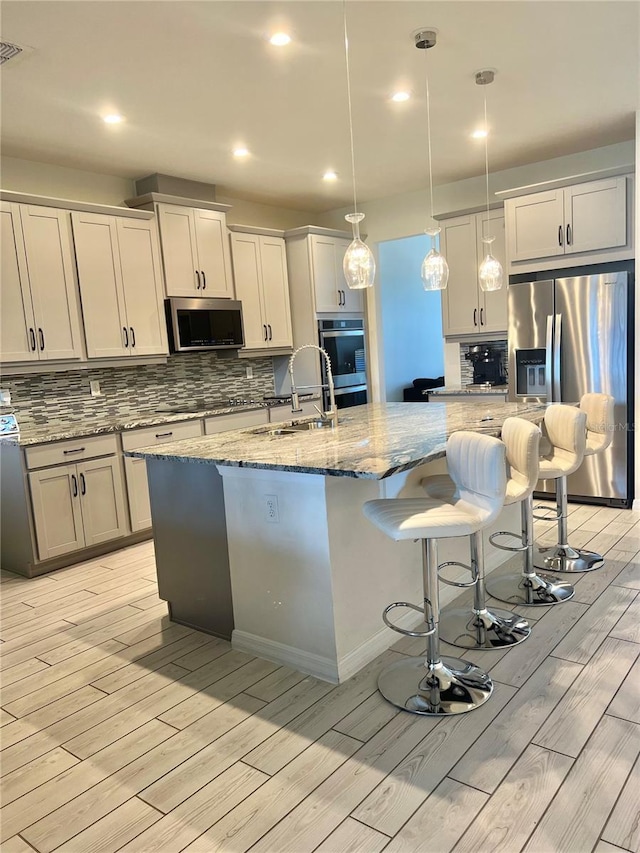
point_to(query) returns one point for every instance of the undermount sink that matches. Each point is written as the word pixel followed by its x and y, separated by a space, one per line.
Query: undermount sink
pixel 292 429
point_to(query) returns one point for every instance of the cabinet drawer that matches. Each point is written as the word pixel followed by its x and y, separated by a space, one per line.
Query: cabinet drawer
pixel 243 420
pixel 160 434
pixel 72 450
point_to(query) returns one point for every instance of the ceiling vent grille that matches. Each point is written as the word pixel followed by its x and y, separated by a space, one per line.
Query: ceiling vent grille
pixel 9 51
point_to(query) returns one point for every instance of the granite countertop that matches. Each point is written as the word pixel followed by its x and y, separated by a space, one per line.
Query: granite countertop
pixel 60 429
pixel 469 389
pixel 372 441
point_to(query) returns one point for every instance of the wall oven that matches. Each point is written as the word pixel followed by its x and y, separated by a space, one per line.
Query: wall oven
pixel 344 341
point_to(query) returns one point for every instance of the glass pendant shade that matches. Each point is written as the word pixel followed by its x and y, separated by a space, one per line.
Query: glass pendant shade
pixel 490 274
pixel 359 265
pixel 435 269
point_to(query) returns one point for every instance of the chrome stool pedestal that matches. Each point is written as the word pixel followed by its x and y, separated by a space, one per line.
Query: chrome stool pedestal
pixel 432 685
pixel 562 557
pixel 527 587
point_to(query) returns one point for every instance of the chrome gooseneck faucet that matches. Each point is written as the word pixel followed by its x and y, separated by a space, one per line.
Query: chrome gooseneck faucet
pixel 332 414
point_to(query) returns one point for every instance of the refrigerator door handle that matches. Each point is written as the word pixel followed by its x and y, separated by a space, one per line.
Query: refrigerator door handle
pixel 549 358
pixel 557 343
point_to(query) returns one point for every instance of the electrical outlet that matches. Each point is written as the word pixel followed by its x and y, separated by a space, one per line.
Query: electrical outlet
pixel 94 384
pixel 5 397
pixel 249 371
pixel 271 509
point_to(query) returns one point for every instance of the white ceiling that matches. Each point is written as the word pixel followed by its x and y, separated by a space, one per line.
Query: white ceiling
pixel 195 79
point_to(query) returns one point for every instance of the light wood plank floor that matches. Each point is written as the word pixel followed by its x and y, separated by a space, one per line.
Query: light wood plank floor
pixel 124 731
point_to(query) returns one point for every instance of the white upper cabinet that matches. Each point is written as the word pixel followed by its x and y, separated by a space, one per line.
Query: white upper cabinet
pixel 331 292
pixel 583 218
pixel 260 272
pixel 466 308
pixel 120 285
pixel 195 251
pixel 39 298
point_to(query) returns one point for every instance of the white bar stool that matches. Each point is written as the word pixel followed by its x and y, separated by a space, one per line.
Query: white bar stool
pixel 436 685
pixel 566 428
pixel 522 440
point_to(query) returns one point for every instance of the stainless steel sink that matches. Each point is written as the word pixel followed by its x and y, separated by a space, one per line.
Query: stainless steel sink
pixel 292 429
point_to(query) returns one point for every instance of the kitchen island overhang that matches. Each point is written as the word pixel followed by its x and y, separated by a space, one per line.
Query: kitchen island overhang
pixel 270 525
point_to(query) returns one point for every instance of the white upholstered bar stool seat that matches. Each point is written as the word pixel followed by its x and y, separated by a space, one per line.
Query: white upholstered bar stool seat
pixel 526 587
pixel 435 685
pixel 566 428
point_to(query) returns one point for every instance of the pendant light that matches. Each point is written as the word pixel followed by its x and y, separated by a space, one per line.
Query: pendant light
pixel 359 265
pixel 490 273
pixel 435 269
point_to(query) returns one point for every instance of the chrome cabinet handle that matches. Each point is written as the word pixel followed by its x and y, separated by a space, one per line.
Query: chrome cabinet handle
pixel 559 235
pixel 204 279
pixel 75 485
pixel 83 485
pixel 32 336
pixel 41 333
pixel 198 279
pixel 475 316
pixel 568 234
pixel 164 434
pixel 77 450
pixel 133 337
pixel 126 336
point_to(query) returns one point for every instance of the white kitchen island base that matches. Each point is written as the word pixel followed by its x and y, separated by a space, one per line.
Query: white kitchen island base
pixel 310 576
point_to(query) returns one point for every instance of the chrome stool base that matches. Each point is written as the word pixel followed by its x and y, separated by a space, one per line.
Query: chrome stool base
pixel 448 687
pixel 564 558
pixel 530 591
pixel 485 629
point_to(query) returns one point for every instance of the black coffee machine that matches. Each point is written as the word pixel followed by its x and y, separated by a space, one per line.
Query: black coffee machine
pixel 487 365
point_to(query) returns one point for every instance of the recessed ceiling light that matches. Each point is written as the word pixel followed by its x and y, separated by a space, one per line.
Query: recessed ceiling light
pixel 329 175
pixel 400 96
pixel 113 118
pixel 240 152
pixel 280 39
pixel 479 134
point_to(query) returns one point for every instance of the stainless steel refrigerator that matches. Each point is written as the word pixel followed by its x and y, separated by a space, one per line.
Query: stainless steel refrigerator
pixel 569 335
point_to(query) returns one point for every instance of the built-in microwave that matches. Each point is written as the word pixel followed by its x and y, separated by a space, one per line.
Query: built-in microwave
pixel 204 324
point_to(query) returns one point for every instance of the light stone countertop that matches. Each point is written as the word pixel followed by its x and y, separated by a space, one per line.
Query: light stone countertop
pixel 372 441
pixel 64 428
pixel 468 389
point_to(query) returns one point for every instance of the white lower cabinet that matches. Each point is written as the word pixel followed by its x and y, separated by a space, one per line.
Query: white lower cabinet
pixel 138 492
pixel 77 505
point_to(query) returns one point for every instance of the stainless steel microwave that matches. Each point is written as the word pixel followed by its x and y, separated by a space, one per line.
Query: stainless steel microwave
pixel 204 324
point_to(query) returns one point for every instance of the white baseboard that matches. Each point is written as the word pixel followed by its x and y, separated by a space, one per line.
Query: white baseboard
pixel 636 504
pixel 321 667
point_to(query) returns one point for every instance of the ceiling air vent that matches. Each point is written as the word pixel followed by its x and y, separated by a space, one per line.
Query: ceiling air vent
pixel 9 51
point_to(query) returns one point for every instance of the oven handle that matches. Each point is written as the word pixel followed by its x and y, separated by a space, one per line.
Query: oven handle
pixel 342 333
pixel 349 389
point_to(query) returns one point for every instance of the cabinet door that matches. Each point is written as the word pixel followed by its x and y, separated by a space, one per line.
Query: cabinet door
pixel 323 263
pixel 47 239
pixel 100 285
pixel 179 252
pixel 275 288
pixel 17 324
pixel 596 215
pixel 142 286
pixel 493 305
pixel 138 492
pixel 246 268
pixel 55 495
pixel 102 499
pixel 460 310
pixel 352 300
pixel 213 253
pixel 535 225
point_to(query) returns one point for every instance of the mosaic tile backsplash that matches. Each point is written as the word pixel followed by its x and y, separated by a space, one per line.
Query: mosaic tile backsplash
pixel 126 391
pixel 466 367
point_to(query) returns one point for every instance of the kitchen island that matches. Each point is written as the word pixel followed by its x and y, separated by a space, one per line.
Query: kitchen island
pixel 261 531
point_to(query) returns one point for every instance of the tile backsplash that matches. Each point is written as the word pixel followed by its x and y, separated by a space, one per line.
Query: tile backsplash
pixel 39 398
pixel 466 367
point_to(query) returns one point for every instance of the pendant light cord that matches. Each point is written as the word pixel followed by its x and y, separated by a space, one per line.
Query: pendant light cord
pixel 346 56
pixel 486 151
pixel 426 77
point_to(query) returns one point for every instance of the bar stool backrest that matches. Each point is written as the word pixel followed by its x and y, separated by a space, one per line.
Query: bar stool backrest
pixel 476 464
pixel 522 441
pixel 566 427
pixel 599 411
